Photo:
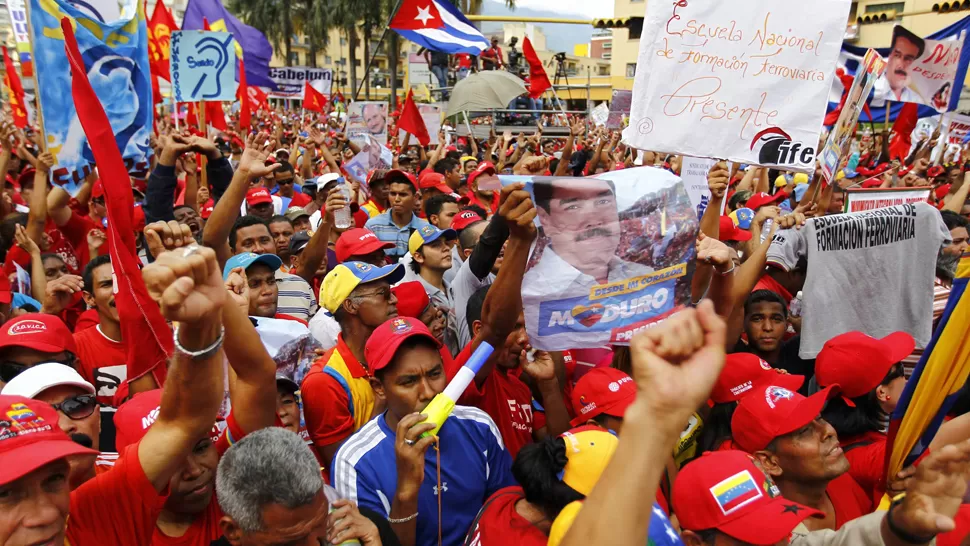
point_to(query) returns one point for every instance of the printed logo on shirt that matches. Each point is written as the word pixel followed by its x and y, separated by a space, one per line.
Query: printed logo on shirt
pixel 28 327
pixel 775 394
pixel 108 378
pixel 735 492
pixel 149 419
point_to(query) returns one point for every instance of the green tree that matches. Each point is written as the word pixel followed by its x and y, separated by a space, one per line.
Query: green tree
pixel 272 18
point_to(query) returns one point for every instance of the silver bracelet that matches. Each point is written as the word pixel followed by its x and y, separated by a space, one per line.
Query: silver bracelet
pixel 204 353
pixel 729 271
pixel 402 520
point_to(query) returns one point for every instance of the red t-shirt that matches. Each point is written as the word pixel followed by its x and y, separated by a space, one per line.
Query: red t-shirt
pixel 848 499
pixel 118 507
pixel 867 460
pixel 76 232
pixel 471 199
pixel 500 525
pixel 102 362
pixel 505 398
pixel 299 199
pixel 464 60
pixel 962 530
pixel 87 319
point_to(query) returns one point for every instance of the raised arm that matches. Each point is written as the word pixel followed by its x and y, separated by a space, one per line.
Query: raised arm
pixel 188 286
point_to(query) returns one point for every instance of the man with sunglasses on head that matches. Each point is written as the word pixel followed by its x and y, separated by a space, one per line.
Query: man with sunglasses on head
pixel 337 395
pixel 79 415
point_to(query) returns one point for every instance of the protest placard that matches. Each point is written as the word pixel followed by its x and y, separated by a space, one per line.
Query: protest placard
pixel 431 114
pixel 694 174
pixel 367 118
pixel 203 66
pixel 835 152
pixel 419 73
pixel 863 199
pixel 619 108
pixel 751 89
pixel 921 71
pixel 614 254
pixel 600 114
pixel 373 155
pixel 289 81
pixel 116 55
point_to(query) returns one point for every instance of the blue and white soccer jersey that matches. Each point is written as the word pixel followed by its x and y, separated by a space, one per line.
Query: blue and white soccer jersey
pixel 474 464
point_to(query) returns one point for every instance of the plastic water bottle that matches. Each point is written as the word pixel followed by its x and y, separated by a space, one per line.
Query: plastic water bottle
pixel 342 218
pixel 795 307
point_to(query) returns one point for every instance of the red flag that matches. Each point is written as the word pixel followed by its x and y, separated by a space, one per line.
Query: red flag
pixel 147 337
pixel 160 29
pixel 313 100
pixel 245 109
pixel 16 92
pixel 538 80
pixel 258 99
pixel 412 122
pixel 902 138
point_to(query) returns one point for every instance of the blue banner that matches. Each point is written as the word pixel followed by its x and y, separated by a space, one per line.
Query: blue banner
pixel 116 57
pixel 202 66
pixel 251 44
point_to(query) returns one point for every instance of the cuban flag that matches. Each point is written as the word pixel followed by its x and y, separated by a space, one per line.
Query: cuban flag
pixel 438 26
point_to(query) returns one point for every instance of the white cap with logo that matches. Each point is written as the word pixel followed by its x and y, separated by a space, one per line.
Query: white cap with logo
pixel 39 378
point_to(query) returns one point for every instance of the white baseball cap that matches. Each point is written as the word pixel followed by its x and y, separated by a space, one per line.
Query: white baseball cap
pixel 39 378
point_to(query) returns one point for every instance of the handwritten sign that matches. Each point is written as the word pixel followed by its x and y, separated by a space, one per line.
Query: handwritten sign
pixel 745 80
pixel 203 66
pixel 863 199
pixel 834 155
pixel 920 71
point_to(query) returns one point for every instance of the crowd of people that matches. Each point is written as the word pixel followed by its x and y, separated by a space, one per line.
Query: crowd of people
pixel 713 427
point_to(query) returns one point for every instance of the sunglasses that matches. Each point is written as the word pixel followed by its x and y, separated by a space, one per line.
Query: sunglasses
pixel 77 407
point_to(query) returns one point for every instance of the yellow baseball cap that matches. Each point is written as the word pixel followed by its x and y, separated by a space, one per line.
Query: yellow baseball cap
pixel 428 234
pixel 588 450
pixel 343 279
pixel 800 178
pixel 781 181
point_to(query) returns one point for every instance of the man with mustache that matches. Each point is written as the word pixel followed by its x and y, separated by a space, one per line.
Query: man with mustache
pixel 79 415
pixel 907 48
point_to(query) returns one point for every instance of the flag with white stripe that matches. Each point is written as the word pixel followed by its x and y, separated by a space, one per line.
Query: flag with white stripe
pixel 439 26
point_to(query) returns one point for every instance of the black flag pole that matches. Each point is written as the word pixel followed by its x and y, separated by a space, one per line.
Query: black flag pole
pixel 370 61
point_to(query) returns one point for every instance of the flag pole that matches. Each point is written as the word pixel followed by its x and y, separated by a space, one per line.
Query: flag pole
pixel 370 61
pixel 33 59
pixel 205 134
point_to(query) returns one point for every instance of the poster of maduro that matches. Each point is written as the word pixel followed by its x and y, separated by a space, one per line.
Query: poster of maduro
pixel 614 254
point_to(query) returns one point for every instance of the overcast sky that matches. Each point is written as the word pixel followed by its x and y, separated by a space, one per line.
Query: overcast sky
pixel 594 9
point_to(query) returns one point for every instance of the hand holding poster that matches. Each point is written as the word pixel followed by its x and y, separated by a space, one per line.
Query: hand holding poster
pixel 920 71
pixel 835 153
pixel 203 66
pixel 754 86
pixel 367 118
pixel 373 155
pixel 614 254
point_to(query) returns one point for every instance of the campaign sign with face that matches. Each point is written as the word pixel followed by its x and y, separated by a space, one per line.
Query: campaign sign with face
pixel 367 118
pixel 614 254
pixel 919 70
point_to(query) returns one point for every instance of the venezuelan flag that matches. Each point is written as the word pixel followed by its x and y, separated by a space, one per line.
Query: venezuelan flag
pixel 939 375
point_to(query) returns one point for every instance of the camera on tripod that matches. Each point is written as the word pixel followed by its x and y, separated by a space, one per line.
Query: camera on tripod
pixel 560 57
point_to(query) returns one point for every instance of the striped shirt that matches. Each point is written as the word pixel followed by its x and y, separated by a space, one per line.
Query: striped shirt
pixel 474 464
pixel 386 230
pixel 295 297
pixel 941 293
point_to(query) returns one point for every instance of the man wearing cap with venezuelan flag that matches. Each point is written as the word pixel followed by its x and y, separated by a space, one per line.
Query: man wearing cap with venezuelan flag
pixel 337 395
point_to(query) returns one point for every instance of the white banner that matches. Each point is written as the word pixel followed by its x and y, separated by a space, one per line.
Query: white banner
pixel 920 71
pixel 694 174
pixel 863 199
pixel 751 89
pixel 431 114
pixel 419 73
pixel 367 118
pixel 290 81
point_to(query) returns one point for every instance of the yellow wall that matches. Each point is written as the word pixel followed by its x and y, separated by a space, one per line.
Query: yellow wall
pixel 880 35
pixel 581 50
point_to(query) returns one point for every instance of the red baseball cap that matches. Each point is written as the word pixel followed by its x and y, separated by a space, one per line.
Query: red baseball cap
pixel 772 411
pixel 138 218
pixel 433 181
pixel 602 390
pixel 761 199
pixel 258 196
pixel 744 372
pixel 384 342
pixel 396 175
pixel 38 331
pixel 358 242
pixel 135 417
pixel 727 231
pixel 412 299
pixel 464 219
pixel 858 363
pixel 725 490
pixel 483 167
pixel 30 438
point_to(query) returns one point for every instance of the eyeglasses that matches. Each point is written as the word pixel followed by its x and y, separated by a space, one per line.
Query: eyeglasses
pixel 77 407
pixel 384 294
pixel 284 182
